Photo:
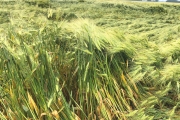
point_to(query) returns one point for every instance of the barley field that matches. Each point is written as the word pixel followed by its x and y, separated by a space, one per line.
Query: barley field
pixel 89 60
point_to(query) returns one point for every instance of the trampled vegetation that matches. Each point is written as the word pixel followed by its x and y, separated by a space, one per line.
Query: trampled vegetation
pixel 89 60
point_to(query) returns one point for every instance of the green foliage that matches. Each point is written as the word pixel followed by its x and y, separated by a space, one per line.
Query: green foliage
pixel 81 0
pixel 55 65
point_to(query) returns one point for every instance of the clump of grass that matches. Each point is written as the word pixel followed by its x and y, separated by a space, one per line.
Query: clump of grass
pixel 4 17
pixel 81 0
pixel 156 9
pixel 60 15
pixel 39 3
pixel 83 66
pixel 98 78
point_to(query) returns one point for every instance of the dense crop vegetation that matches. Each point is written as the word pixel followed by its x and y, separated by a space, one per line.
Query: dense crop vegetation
pixel 89 60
